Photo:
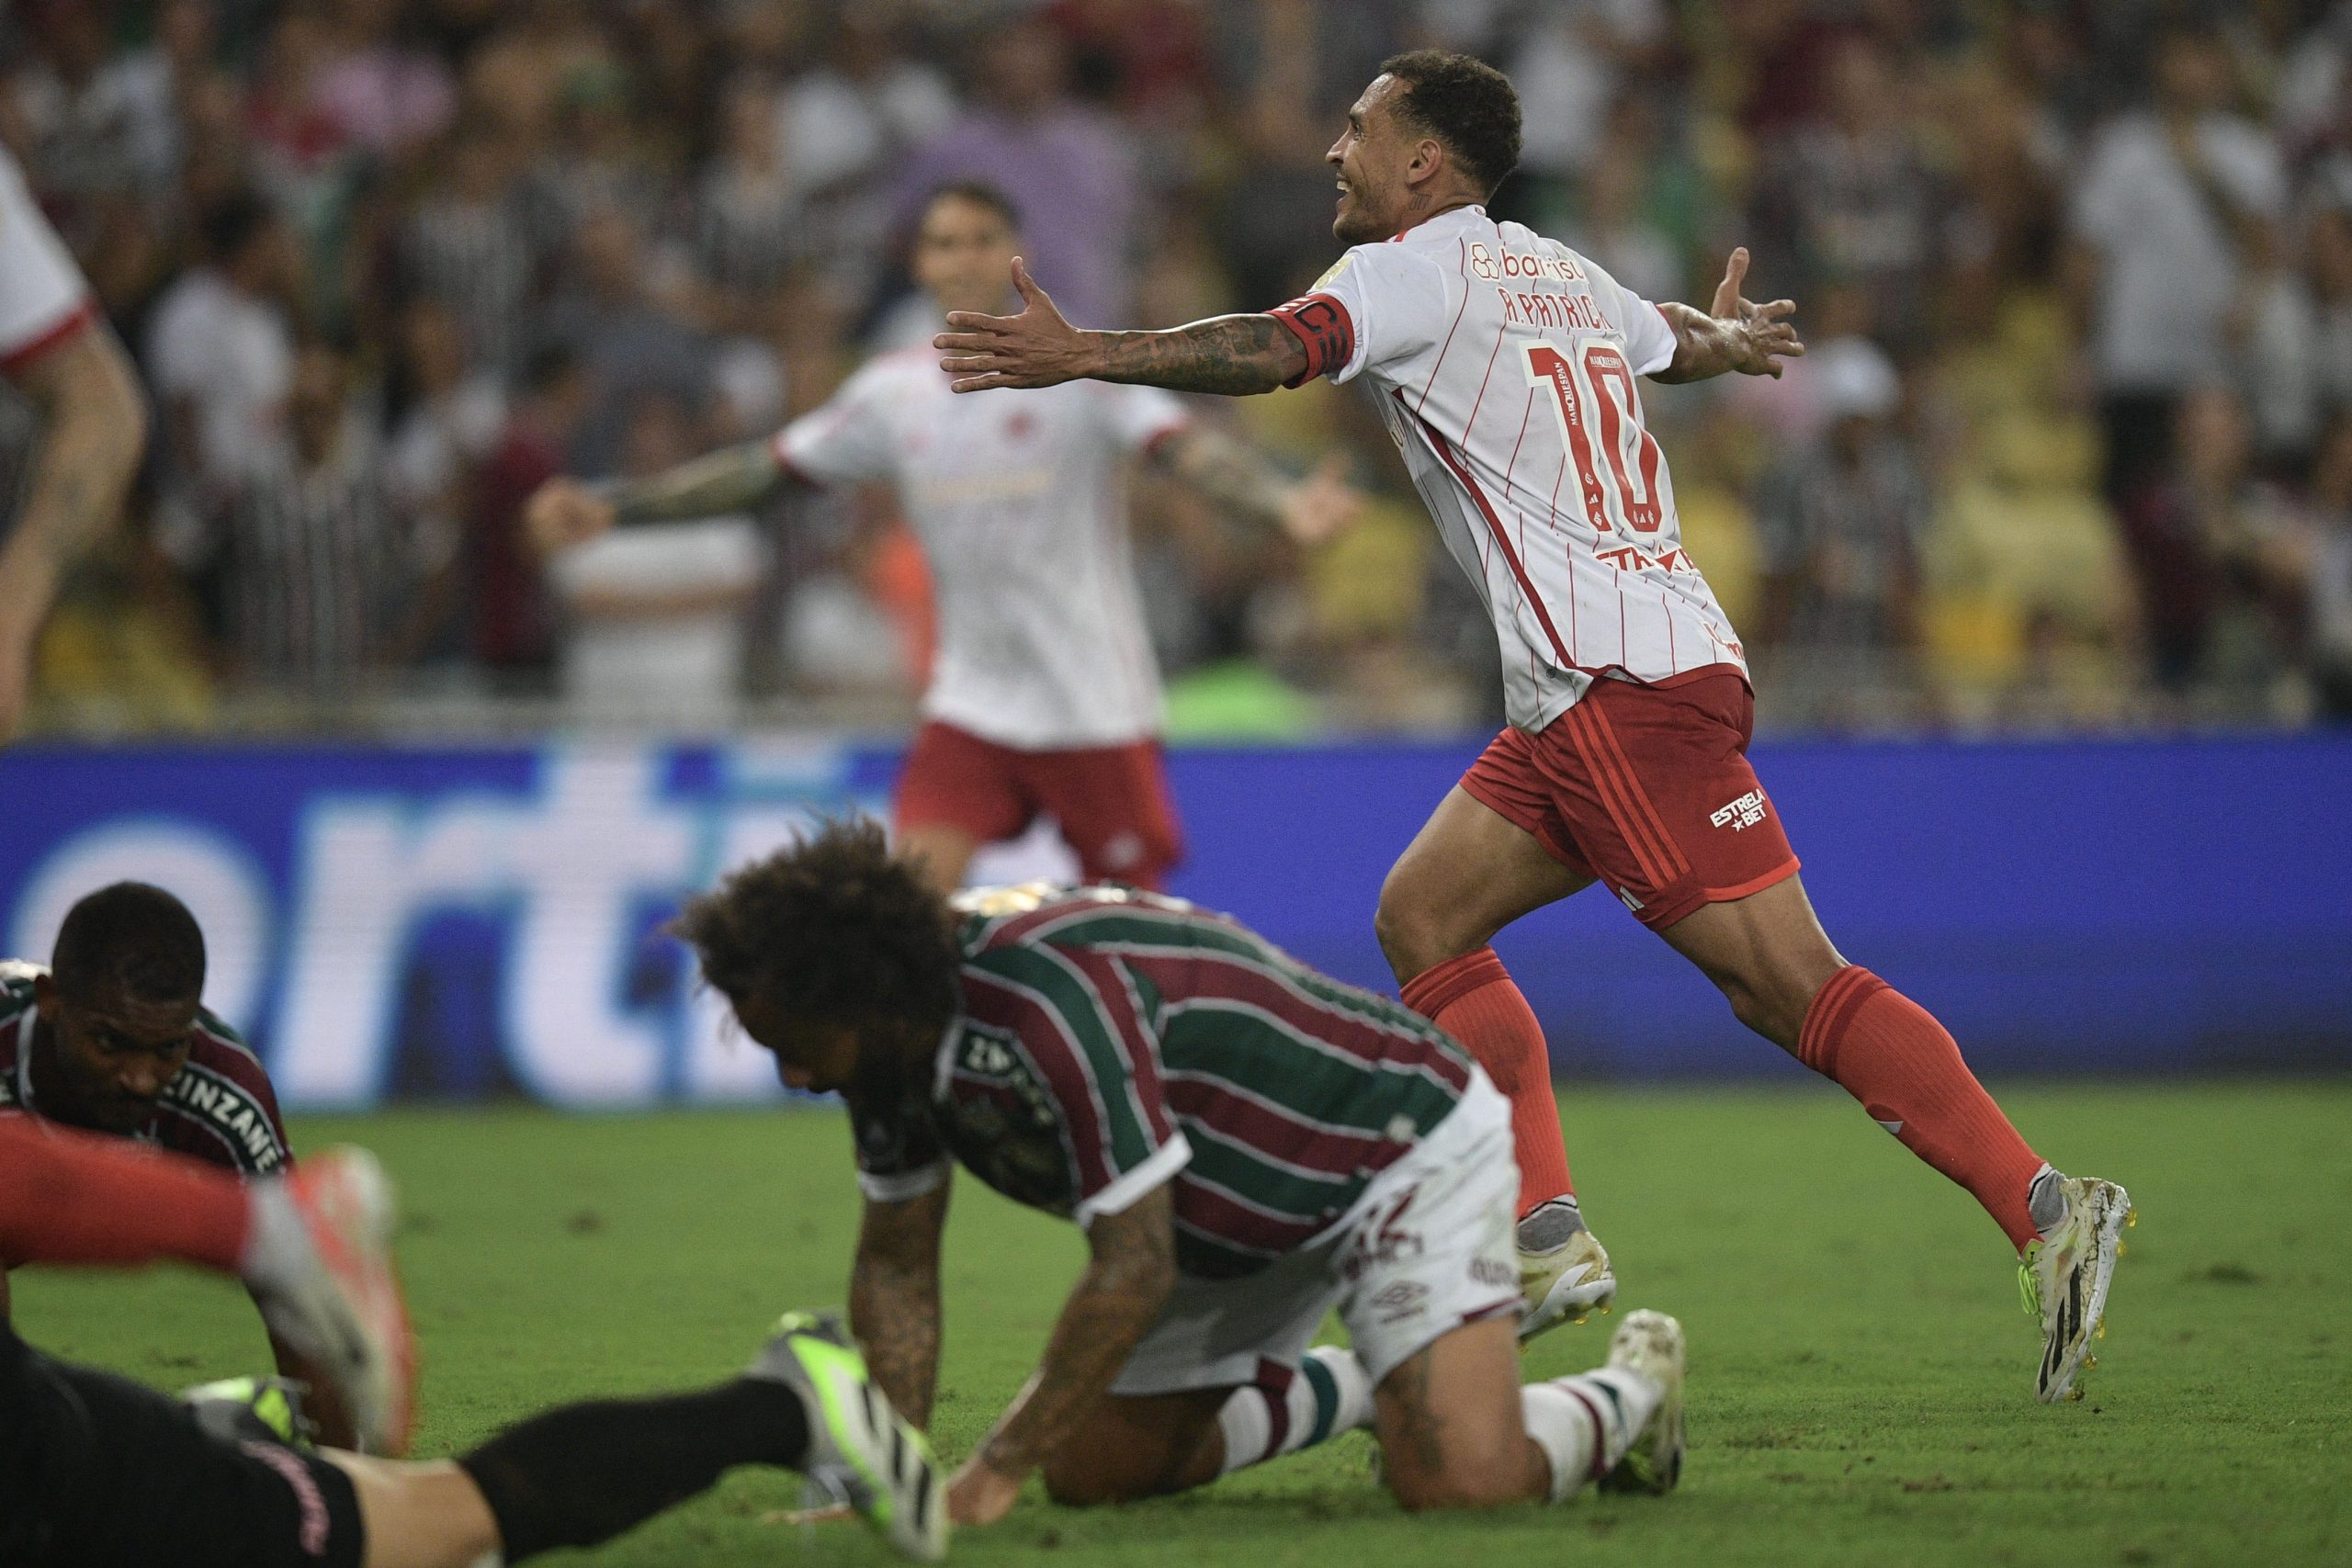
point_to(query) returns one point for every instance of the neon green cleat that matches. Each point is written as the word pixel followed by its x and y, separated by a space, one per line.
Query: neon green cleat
pixel 860 1449
pixel 2063 1278
pixel 258 1410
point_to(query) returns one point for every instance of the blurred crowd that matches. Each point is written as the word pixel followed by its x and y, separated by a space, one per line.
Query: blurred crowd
pixel 2073 446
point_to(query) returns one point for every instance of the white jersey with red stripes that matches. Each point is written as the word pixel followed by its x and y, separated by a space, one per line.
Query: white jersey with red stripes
pixel 1504 364
pixel 1019 501
pixel 43 299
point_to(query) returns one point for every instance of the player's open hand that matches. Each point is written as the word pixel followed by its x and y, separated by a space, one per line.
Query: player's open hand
pixel 1761 335
pixel 564 513
pixel 1035 348
pixel 979 1494
pixel 1323 504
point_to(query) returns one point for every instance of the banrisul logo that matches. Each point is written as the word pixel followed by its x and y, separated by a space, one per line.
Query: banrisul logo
pixel 1741 814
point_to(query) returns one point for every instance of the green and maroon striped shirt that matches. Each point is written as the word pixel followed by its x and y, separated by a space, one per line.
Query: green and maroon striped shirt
pixel 1111 1041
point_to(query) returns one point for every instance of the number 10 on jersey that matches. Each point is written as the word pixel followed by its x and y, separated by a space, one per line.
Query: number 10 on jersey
pixel 1600 383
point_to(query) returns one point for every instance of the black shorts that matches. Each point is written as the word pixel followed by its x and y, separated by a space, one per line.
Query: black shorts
pixel 97 1471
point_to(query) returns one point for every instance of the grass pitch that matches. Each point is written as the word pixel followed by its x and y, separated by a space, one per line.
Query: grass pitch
pixel 1861 1383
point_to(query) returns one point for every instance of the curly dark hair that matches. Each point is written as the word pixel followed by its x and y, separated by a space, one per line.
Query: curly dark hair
pixel 1464 103
pixel 132 939
pixel 834 930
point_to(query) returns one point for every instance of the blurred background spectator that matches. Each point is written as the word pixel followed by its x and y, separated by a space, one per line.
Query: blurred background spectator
pixel 2074 447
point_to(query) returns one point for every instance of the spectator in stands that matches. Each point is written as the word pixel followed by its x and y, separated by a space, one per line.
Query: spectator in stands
pixel 511 617
pixel 1070 168
pixel 322 567
pixel 2330 575
pixel 220 349
pixel 464 245
pixel 628 343
pixel 1840 526
pixel 2174 221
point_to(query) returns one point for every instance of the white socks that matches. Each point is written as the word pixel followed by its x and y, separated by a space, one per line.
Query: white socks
pixel 1585 1424
pixel 1328 1395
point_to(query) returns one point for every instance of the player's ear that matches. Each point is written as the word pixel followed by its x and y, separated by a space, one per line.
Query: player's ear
pixel 46 1000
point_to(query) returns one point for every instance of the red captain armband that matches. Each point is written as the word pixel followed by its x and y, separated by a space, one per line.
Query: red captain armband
pixel 1320 323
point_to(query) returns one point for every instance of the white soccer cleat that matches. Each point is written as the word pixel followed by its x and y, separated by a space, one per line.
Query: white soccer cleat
pixel 2063 1278
pixel 1650 1343
pixel 325 1285
pixel 861 1451
pixel 1562 1279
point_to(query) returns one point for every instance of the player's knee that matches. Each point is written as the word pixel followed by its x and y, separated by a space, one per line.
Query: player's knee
pixel 1412 935
pixel 1454 1487
pixel 1082 1481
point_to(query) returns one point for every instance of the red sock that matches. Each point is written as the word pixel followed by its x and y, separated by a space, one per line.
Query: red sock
pixel 1888 1052
pixel 1472 998
pixel 69 1197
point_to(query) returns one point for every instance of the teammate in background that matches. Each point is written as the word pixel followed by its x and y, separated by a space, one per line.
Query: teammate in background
pixel 57 351
pixel 1043 698
pixel 113 1037
pixel 1248 1145
pixel 1626 762
pixel 96 1472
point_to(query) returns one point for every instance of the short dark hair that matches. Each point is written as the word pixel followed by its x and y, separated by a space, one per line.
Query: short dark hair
pixel 1464 103
pixel 132 939
pixel 836 929
pixel 980 193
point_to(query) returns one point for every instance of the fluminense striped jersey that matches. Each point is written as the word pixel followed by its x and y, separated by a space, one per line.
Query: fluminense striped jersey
pixel 219 1108
pixel 1111 1041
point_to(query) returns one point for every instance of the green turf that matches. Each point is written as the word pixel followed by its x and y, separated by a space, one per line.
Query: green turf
pixel 1860 1371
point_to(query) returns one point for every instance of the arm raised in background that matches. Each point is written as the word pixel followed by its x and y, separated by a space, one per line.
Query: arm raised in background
pixel 1230 355
pixel 1126 1283
pixel 567 511
pixel 93 428
pixel 1736 334
pixel 894 1298
pixel 1239 478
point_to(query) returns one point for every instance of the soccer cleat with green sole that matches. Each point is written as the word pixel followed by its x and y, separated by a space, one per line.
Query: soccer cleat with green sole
pixel 2063 1276
pixel 860 1449
pixel 1650 1343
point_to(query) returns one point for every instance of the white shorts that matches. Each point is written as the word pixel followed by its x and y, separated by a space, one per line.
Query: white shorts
pixel 1427 1248
pixel 42 297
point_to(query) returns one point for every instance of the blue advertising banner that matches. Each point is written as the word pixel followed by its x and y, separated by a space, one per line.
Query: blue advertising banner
pixel 453 921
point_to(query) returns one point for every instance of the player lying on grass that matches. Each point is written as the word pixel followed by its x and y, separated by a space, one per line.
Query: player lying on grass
pixel 1248 1144
pixel 1044 697
pixel 96 1472
pixel 113 1037
pixel 1626 762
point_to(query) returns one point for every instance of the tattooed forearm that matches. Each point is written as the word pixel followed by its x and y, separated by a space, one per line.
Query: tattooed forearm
pixel 1703 345
pixel 894 1299
pixel 1116 1299
pixel 1233 355
pixel 725 481
pixel 1229 472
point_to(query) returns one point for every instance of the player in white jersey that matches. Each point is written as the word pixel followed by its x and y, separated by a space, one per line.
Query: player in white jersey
pixel 57 351
pixel 1504 364
pixel 1044 697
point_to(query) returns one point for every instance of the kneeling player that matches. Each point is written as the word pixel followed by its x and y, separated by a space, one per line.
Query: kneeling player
pixel 1248 1144
pixel 97 1471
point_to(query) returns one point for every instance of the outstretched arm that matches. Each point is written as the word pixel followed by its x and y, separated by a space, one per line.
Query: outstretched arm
pixel 565 512
pixel 1736 334
pixel 1231 356
pixel 1114 1302
pixel 1239 477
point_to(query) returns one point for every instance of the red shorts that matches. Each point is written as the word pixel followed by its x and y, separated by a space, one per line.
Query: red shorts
pixel 1648 789
pixel 1111 802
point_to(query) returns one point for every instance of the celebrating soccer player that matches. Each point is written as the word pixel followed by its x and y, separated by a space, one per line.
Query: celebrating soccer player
pixel 96 1472
pixel 1248 1144
pixel 1044 697
pixel 1626 762
pixel 113 1037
